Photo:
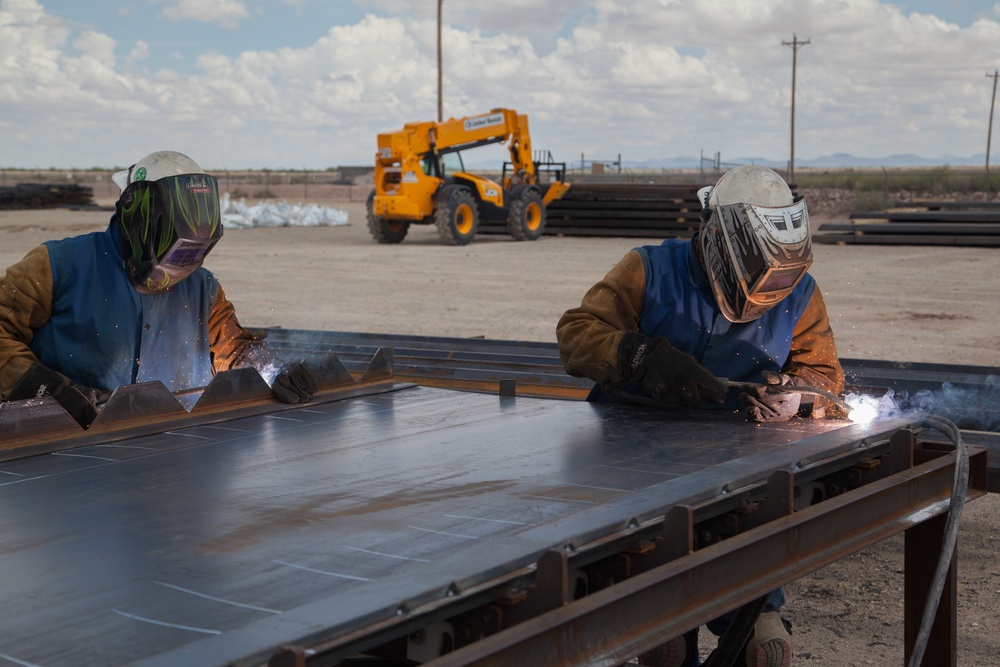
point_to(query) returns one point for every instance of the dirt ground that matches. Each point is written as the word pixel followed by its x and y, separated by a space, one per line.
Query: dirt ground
pixel 919 304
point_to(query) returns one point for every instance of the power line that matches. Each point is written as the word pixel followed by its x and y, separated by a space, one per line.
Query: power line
pixel 795 44
pixel 989 133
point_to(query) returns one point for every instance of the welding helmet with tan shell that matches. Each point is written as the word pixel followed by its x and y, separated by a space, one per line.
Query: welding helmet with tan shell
pixel 168 219
pixel 755 241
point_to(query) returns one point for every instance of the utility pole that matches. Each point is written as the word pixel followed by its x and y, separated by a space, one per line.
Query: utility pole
pixel 989 135
pixel 440 94
pixel 795 44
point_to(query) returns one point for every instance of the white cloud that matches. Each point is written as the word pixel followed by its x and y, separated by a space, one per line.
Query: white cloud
pixel 227 13
pixel 649 78
pixel 139 52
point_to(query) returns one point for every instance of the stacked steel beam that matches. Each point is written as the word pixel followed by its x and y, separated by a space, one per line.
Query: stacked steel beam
pixel 924 223
pixel 45 195
pixel 622 210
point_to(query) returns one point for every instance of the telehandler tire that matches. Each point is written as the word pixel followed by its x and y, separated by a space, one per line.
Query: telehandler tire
pixel 387 231
pixel 526 217
pixel 457 216
pixel 382 230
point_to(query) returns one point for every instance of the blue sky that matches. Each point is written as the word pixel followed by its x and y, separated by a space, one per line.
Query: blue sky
pixel 309 83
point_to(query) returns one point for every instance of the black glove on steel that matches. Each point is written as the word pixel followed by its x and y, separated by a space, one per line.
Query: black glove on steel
pixel 295 384
pixel 79 401
pixel 767 404
pixel 670 375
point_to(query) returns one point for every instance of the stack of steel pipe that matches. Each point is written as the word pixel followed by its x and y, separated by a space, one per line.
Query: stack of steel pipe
pixel 924 223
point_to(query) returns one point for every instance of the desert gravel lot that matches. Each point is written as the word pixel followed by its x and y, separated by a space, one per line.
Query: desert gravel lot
pixel 902 303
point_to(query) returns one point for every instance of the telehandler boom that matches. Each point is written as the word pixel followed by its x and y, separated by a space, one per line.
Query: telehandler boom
pixel 420 179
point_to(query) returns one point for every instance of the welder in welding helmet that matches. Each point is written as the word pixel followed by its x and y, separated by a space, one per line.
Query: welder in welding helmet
pixel 168 219
pixel 694 322
pixel 754 241
pixel 84 315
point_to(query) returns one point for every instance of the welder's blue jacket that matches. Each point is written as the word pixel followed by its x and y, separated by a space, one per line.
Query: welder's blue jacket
pixel 679 305
pixel 69 304
pixel 662 291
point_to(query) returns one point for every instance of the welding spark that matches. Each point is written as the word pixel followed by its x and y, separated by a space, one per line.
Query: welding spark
pixel 269 371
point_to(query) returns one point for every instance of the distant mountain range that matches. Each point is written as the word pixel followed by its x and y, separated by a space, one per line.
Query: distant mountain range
pixel 835 161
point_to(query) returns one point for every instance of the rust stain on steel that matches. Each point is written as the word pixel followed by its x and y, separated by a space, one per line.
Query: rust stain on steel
pixel 264 521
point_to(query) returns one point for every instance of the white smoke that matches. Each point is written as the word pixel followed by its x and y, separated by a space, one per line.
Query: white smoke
pixel 972 408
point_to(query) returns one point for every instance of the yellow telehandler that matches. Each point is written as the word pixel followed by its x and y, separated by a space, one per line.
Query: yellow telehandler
pixel 420 179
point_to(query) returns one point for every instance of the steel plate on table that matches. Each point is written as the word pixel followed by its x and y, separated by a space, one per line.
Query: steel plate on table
pixel 219 542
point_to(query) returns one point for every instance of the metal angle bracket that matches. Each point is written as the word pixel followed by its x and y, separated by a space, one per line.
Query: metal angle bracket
pixel 330 372
pixel 235 386
pixel 137 401
pixel 380 367
pixel 33 417
pixel 36 425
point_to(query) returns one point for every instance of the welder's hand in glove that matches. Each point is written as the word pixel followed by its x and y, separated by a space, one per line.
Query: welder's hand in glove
pixel 82 403
pixel 295 384
pixel 670 375
pixel 768 404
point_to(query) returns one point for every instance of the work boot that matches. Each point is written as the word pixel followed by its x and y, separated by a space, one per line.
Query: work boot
pixel 678 652
pixel 770 644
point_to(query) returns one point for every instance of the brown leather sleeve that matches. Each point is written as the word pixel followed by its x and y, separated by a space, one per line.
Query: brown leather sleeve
pixel 813 356
pixel 230 342
pixel 25 305
pixel 589 336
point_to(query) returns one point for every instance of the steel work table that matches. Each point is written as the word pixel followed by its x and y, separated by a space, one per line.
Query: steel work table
pixel 219 543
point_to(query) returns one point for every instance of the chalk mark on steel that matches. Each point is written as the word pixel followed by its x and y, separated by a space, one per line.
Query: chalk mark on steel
pixel 85 456
pixel 223 600
pixel 329 574
pixel 442 532
pixel 23 663
pixel 478 518
pixel 651 472
pixel 111 444
pixel 165 624
pixel 560 500
pixel 599 488
pixel 379 553
pixel 191 435
pixel 225 428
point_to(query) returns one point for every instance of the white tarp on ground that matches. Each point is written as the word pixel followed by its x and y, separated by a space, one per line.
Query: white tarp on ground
pixel 240 215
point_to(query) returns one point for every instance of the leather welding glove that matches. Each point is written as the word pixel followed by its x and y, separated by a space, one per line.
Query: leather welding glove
pixel 295 384
pixel 82 403
pixel 670 375
pixel 766 403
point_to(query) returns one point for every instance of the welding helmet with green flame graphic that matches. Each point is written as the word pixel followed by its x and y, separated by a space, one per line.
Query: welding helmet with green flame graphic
pixel 754 239
pixel 168 219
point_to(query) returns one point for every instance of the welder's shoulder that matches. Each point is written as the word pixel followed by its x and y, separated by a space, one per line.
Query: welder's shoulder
pixel 35 268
